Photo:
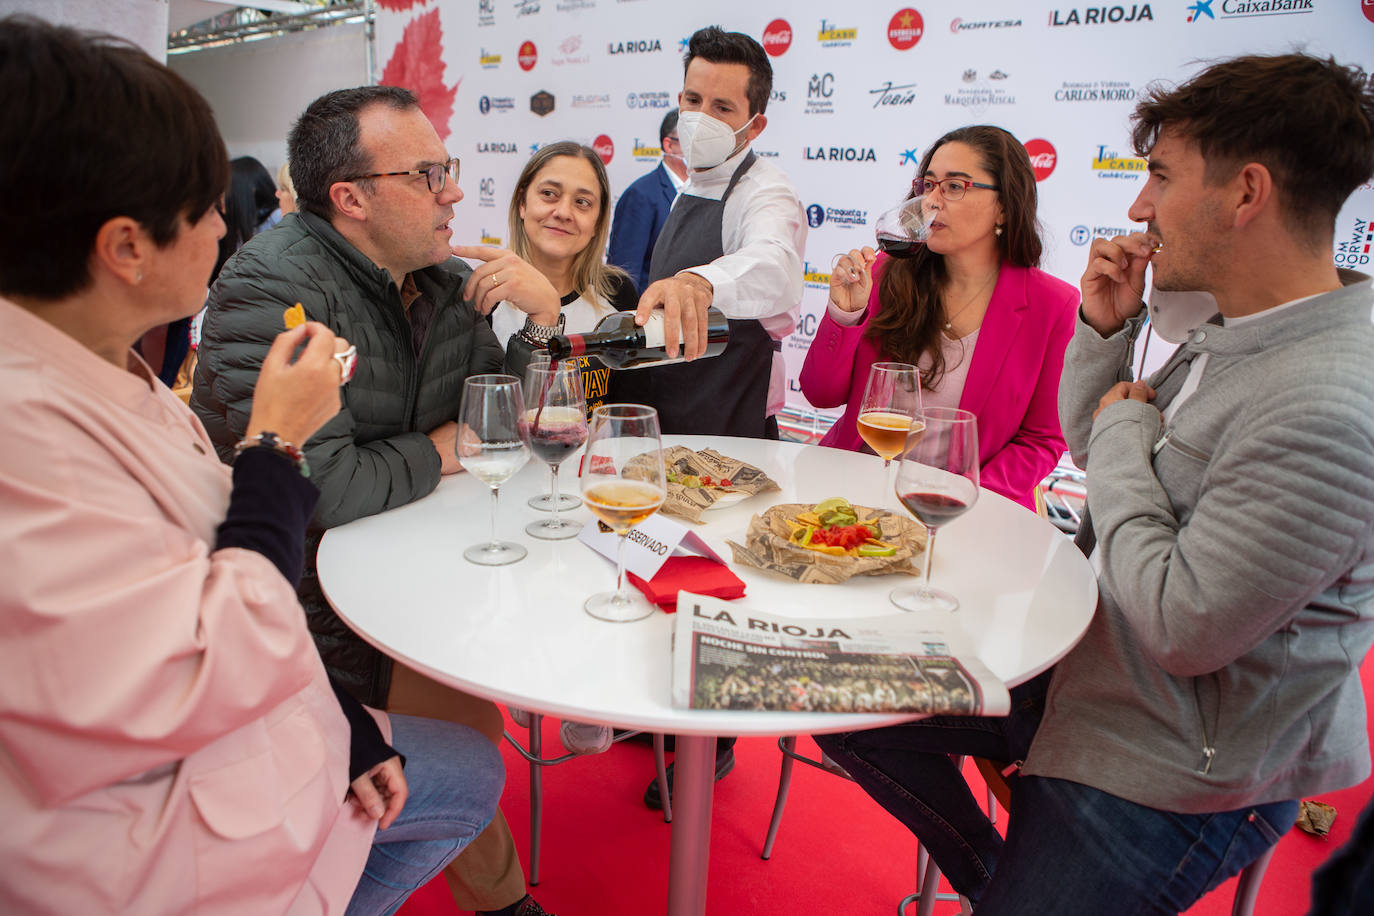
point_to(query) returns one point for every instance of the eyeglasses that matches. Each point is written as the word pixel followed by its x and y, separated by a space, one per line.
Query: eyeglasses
pixel 435 176
pixel 950 188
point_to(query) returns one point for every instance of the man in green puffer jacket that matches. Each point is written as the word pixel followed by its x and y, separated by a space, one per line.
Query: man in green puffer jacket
pixel 368 256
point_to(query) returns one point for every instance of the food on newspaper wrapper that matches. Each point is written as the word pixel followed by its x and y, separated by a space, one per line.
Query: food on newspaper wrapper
pixel 698 480
pixel 293 317
pixel 830 542
pixel 1315 817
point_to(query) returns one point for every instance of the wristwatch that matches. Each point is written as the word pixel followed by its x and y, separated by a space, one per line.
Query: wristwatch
pixel 277 444
pixel 538 335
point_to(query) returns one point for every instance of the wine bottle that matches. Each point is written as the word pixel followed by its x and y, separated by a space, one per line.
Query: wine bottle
pixel 621 344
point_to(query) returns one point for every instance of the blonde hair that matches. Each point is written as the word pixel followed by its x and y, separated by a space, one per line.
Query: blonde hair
pixel 284 180
pixel 592 277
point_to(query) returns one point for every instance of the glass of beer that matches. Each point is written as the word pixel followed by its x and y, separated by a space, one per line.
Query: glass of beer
pixel 622 485
pixel 892 401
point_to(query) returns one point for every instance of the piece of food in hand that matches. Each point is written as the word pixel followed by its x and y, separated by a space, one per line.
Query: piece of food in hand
pixel 294 317
pixel 833 527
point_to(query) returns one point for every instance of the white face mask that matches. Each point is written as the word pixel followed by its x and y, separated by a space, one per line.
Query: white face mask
pixel 1175 314
pixel 706 141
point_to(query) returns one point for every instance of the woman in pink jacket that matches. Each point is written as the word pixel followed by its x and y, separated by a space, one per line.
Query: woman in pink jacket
pixel 169 740
pixel 969 308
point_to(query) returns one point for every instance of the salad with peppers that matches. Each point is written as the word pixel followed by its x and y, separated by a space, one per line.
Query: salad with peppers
pixel 833 527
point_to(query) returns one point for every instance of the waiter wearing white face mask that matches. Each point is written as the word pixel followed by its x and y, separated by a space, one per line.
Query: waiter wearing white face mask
pixel 734 240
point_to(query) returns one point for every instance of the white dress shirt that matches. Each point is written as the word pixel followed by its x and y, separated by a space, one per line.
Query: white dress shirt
pixel 763 233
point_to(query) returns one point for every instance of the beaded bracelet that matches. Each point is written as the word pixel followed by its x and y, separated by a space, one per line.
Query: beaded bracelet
pixel 277 444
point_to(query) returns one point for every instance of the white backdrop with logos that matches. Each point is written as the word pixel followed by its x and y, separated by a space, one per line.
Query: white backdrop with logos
pixel 859 91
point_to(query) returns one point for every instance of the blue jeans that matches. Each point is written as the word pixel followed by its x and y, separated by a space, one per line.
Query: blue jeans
pixel 1069 847
pixel 455 777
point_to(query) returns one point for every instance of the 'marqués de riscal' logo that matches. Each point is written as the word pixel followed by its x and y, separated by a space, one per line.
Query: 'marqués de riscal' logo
pixel 640 46
pixel 777 38
pixel 833 36
pixel 839 154
pixel 1107 164
pixel 1354 251
pixel 1101 15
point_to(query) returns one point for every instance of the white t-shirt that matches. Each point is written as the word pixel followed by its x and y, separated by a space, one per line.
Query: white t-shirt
pixel 579 316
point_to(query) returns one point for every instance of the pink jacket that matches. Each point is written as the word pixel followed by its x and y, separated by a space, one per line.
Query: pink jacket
pixel 1012 385
pixel 169 742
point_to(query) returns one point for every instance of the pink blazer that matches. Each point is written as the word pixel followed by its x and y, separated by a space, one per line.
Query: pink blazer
pixel 1012 385
pixel 169 742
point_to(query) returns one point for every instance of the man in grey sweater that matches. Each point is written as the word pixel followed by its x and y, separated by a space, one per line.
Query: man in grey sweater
pixel 1231 518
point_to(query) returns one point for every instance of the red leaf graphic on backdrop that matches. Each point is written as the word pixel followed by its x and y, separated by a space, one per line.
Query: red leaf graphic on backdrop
pixel 417 64
pixel 398 6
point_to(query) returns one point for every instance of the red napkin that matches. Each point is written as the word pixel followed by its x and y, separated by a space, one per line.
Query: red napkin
pixel 699 575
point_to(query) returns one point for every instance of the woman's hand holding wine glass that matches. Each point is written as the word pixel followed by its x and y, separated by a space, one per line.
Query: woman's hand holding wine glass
pixel 851 279
pixel 622 484
pixel 937 482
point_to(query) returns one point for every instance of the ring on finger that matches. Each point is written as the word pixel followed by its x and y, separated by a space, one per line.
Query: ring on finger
pixel 495 280
pixel 348 363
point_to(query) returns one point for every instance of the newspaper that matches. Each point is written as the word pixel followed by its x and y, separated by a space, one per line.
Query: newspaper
pixel 767 546
pixel 690 502
pixel 726 656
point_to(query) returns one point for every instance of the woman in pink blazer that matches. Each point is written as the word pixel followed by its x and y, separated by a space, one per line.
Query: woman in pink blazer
pixel 169 740
pixel 969 309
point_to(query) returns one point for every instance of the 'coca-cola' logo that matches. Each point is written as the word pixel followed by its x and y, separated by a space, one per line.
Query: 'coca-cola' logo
pixel 1367 6
pixel 904 29
pixel 777 38
pixel 604 148
pixel 1043 158
pixel 528 55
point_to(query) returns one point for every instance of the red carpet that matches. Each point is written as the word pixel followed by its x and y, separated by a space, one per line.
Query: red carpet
pixel 605 854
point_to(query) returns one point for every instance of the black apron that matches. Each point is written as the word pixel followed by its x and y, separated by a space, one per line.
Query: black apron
pixel 725 395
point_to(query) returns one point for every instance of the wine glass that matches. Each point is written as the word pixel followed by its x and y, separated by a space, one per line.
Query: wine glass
pixel 903 229
pixel 544 501
pixel 493 443
pixel 892 399
pixel 556 414
pixel 937 482
pixel 622 484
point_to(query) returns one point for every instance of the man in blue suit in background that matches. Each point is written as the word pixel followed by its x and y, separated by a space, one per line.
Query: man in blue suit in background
pixel 642 209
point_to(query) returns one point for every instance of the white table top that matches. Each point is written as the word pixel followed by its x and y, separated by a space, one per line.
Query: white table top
pixel 517 634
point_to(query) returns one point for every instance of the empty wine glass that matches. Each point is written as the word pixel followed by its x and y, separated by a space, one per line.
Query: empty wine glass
pixel 493 443
pixel 544 501
pixel 937 482
pixel 622 484
pixel 892 399
pixel 556 415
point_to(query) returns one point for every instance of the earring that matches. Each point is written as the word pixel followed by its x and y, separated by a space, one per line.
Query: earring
pixel 997 230
pixel 139 277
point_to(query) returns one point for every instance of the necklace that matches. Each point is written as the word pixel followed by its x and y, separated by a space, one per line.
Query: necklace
pixel 949 319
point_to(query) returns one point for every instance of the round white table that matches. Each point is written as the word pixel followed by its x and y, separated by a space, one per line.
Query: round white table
pixel 517 634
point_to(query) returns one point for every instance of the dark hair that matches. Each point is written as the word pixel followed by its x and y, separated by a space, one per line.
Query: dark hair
pixel 592 277
pixel 720 47
pixel 911 289
pixel 668 126
pixel 1309 121
pixel 251 198
pixel 92 128
pixel 323 146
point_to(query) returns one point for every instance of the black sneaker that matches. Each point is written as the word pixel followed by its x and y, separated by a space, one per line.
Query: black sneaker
pixel 724 764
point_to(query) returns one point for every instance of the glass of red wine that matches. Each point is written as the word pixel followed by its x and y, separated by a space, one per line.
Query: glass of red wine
pixel 557 417
pixel 937 482
pixel 544 501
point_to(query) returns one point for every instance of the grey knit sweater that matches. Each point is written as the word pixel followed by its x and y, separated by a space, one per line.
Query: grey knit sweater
pixel 1237 584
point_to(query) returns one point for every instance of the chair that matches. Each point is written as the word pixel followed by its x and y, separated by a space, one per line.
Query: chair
pixel 926 869
pixel 533 755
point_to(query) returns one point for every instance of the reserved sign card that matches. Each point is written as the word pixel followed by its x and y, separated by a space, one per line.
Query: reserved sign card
pixel 649 544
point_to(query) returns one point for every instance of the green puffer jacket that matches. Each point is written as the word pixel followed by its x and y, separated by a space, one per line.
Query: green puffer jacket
pixel 375 454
